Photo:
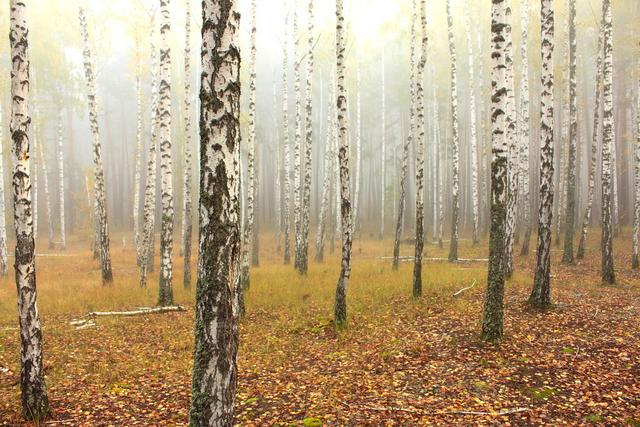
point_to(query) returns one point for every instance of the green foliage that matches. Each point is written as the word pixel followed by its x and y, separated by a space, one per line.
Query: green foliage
pixel 312 422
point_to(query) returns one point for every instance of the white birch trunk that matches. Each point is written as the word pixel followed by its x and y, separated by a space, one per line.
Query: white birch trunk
pixel 455 146
pixel 541 293
pixel 303 257
pixel 138 172
pixel 35 403
pixel 216 327
pixel 608 175
pixel 420 154
pixel 251 143
pixel 474 133
pixel 525 118
pixel 358 165
pixel 47 195
pixel 99 185
pixel 285 140
pixel 340 312
pixel 63 235
pixel 492 320
pixel 329 159
pixel 4 264
pixel 635 261
pixel 187 206
pixel 297 147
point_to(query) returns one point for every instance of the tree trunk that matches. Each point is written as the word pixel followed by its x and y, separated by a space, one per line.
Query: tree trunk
pixel 511 136
pixel 608 273
pixel 285 141
pixel 4 265
pixel 420 154
pixel 455 170
pixel 137 239
pixel 340 314
pixel 251 143
pixel 187 215
pixel 63 235
pixel 408 139
pixel 99 185
pixel 165 291
pixel 570 214
pixel 149 210
pixel 297 146
pixel 525 117
pixel 47 195
pixel 474 133
pixel 358 165
pixel 329 159
pixel 492 320
pixel 594 146
pixel 35 184
pixel 541 293
pixel 35 403
pixel 216 330
pixel 383 149
pixel 635 262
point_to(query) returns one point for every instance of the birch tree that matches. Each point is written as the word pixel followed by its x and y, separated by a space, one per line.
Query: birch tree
pixel 137 238
pixel 216 327
pixel 473 131
pixel 541 293
pixel 187 215
pixel 455 146
pixel 570 214
pixel 525 117
pixel 47 195
pixel 511 136
pixel 35 184
pixel 63 236
pixel 35 403
pixel 358 165
pixel 100 202
pixel 4 265
pixel 383 148
pixel 297 144
pixel 408 140
pixel 492 320
pixel 635 262
pixel 340 308
pixel 251 142
pixel 329 159
pixel 165 291
pixel 285 140
pixel 420 154
pixel 303 258
pixel 595 135
pixel 608 273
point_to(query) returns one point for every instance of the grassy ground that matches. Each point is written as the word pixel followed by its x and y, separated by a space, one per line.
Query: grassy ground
pixel 401 362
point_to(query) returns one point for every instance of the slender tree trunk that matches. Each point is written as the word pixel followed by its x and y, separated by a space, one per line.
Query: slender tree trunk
pixel 165 291
pixel 35 185
pixel 594 146
pixel 35 403
pixel 99 185
pixel 564 139
pixel 278 177
pixel 474 133
pixel 525 138
pixel 340 314
pixel 492 320
pixel 138 172
pixel 329 158
pixel 541 293
pixel 187 215
pixel 297 146
pixel 570 213
pixel 358 165
pixel 303 258
pixel 4 265
pixel 47 195
pixel 420 149
pixel 512 144
pixel 63 236
pixel 251 142
pixel 608 273
pixel 408 140
pixel 285 140
pixel 217 310
pixel 383 149
pixel 149 210
pixel 455 170
pixel 635 261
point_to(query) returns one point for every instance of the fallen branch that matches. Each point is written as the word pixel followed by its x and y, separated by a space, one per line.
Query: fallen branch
pixel 497 414
pixel 150 310
pixel 465 289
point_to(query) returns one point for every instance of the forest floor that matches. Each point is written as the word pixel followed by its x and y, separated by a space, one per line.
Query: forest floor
pixel 402 362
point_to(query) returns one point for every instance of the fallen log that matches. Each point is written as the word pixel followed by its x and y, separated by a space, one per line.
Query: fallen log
pixel 140 311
